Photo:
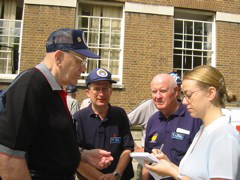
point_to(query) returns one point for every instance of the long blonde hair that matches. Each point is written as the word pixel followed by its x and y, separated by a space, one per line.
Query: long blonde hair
pixel 207 76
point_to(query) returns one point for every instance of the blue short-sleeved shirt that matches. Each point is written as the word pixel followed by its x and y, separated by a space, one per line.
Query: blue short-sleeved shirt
pixel 111 134
pixel 176 133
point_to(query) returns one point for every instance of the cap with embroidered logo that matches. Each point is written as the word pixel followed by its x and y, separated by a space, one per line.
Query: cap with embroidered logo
pixel 69 40
pixel 99 74
pixel 176 77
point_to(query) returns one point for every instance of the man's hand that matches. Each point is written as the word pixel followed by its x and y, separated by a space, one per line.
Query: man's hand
pixel 13 168
pixel 97 157
pixel 138 149
pixel 109 176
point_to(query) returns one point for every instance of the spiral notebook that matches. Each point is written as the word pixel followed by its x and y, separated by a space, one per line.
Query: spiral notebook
pixel 145 156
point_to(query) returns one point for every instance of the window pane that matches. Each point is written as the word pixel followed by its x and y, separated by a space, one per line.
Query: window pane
pixel 188 37
pixel 199 53
pixel 105 53
pixel 188 45
pixel 187 63
pixel 178 27
pixel 4 40
pixel 188 27
pixel 178 44
pixel 188 52
pixel 198 38
pixel 114 67
pixel 177 62
pixel 205 60
pixel 198 28
pixel 197 45
pixel 207 28
pixel 207 46
pixel 197 61
pixel 115 41
pixel 177 51
pixel 92 38
pixel 3 65
pixel 114 55
pixel 92 64
pixel 104 40
pixel 177 36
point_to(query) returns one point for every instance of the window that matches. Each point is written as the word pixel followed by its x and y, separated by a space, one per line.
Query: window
pixel 10 31
pixel 193 40
pixel 102 26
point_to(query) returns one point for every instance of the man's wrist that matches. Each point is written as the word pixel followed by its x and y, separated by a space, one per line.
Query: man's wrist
pixel 117 175
pixel 179 177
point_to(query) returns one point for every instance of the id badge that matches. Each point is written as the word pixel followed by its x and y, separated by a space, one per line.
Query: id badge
pixel 115 140
pixel 177 136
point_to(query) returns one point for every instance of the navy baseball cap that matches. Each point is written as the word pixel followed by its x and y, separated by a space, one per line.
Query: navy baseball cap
pixel 176 77
pixel 71 89
pixel 69 40
pixel 99 74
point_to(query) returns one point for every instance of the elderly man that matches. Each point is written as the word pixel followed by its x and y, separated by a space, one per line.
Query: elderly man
pixel 172 127
pixel 37 138
pixel 140 116
pixel 103 126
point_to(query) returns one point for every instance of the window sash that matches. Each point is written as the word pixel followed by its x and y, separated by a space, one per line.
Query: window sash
pixel 10 35
pixel 103 37
pixel 193 44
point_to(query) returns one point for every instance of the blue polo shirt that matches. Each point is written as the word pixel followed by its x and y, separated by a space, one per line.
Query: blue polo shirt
pixel 176 133
pixel 111 134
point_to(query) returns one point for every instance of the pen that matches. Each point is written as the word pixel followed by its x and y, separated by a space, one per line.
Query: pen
pixel 160 150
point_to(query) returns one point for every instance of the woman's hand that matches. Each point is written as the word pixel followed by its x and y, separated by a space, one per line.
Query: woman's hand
pixel 163 168
pixel 160 155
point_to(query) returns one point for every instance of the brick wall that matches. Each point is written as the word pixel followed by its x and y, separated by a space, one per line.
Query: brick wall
pixel 231 6
pixel 228 54
pixel 39 22
pixel 147 51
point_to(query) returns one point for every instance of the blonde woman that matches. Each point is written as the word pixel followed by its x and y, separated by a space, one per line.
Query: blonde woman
pixel 215 151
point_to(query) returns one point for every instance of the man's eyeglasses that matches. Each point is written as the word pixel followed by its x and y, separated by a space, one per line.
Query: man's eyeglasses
pixel 100 90
pixel 187 96
pixel 83 61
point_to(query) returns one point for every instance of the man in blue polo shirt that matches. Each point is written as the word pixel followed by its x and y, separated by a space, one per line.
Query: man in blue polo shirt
pixel 172 127
pixel 103 126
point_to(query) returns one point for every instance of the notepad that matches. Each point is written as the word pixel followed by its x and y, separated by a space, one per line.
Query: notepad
pixel 145 156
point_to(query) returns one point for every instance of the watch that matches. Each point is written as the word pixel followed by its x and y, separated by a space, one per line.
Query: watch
pixel 179 177
pixel 117 175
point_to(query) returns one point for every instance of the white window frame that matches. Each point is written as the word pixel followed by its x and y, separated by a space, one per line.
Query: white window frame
pixel 9 50
pixel 213 40
pixel 121 47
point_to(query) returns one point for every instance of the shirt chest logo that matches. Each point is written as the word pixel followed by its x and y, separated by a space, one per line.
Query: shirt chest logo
pixel 115 140
pixel 177 136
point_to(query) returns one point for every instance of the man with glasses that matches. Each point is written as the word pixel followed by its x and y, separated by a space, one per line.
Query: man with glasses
pixel 37 138
pixel 103 126
pixel 172 127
